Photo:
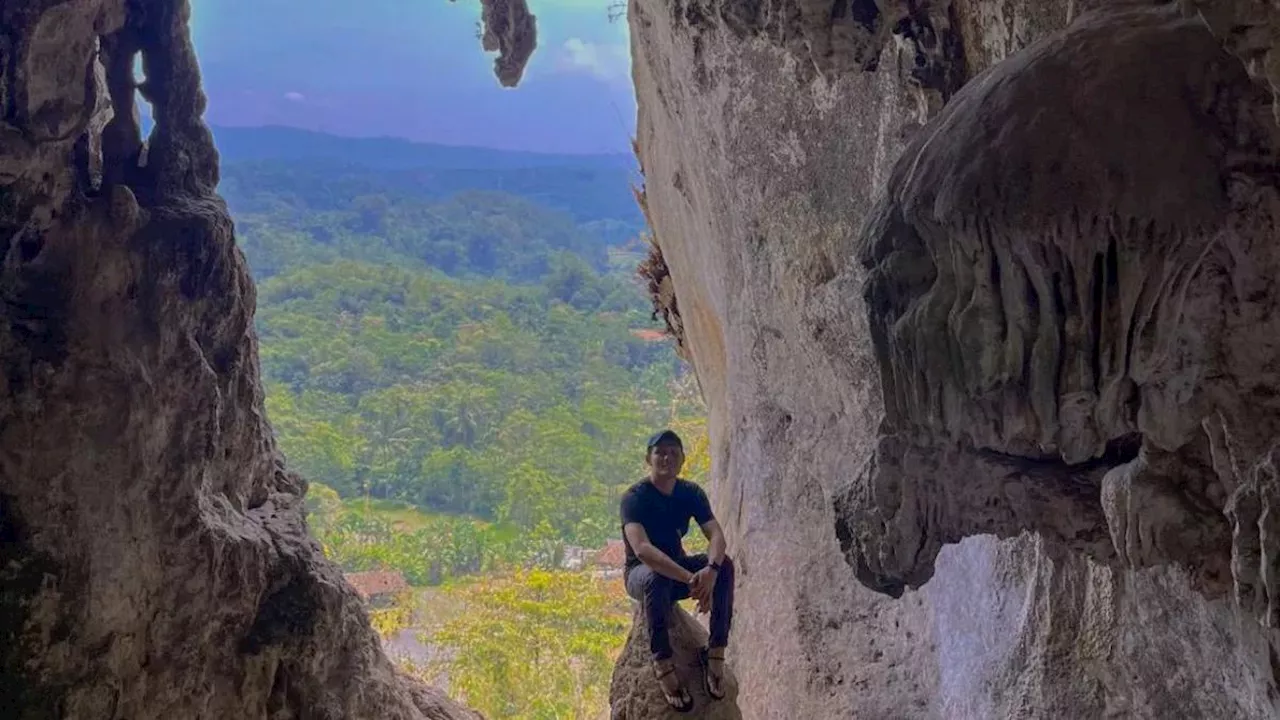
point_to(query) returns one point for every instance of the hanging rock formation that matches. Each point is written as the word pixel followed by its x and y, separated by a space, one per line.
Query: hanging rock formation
pixel 511 31
pixel 634 693
pixel 154 559
pixel 1089 347
pixel 978 296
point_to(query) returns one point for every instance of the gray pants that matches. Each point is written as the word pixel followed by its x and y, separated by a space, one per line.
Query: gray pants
pixel 659 595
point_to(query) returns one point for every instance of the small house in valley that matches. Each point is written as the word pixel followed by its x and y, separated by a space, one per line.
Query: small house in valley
pixel 611 559
pixel 378 588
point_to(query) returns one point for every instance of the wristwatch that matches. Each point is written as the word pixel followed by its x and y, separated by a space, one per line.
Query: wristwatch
pixel 714 566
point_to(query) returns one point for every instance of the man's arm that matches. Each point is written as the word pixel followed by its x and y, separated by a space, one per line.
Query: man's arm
pixel 704 581
pixel 651 556
pixel 715 539
pixel 702 514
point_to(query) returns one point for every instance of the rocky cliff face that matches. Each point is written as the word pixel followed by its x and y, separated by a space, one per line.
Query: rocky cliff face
pixel 960 271
pixel 949 272
pixel 1094 326
pixel 154 561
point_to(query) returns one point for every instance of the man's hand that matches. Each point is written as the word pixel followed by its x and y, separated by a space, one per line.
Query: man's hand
pixel 701 587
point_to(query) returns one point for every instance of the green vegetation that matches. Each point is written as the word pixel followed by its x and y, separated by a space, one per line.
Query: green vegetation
pixel 537 645
pixel 426 548
pixel 498 402
pixel 451 357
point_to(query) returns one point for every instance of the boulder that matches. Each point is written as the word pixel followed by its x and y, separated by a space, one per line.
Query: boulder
pixel 634 693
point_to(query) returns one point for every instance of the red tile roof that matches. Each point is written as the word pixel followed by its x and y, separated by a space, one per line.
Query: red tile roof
pixel 613 554
pixel 649 335
pixel 377 582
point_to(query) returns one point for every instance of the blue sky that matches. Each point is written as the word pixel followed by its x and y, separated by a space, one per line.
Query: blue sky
pixel 415 69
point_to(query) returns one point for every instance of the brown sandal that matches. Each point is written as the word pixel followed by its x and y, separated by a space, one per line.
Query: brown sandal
pixel 714 680
pixel 678 698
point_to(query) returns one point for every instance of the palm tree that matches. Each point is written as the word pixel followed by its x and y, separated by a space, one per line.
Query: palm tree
pixel 388 435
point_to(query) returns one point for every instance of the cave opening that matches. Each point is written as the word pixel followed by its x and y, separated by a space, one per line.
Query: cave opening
pixel 377 394
pixel 146 119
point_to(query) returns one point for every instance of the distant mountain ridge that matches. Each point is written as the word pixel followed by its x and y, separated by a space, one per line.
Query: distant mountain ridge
pixel 330 171
pixel 279 143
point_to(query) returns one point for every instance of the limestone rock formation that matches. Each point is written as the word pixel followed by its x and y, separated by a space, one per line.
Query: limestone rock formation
pixel 154 557
pixel 634 693
pixel 511 31
pixel 1098 330
pixel 1250 29
pixel 853 387
pixel 948 272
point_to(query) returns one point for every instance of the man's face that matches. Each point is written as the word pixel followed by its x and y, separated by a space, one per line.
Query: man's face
pixel 665 460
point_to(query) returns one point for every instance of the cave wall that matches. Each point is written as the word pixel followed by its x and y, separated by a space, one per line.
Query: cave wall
pixel 154 558
pixel 769 134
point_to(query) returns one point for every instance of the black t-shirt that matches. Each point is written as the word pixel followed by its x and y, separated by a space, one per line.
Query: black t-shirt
pixel 665 517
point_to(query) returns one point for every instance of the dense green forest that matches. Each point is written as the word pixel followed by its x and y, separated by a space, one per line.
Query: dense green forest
pixel 459 358
pixel 472 354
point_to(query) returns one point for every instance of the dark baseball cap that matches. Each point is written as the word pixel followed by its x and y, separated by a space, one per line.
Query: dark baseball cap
pixel 666 436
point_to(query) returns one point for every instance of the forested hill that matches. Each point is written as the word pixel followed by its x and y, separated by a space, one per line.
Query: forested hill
pixel 271 170
pixel 483 355
pixel 238 144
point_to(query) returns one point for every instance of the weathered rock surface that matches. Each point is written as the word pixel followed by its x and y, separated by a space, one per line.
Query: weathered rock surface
pixel 1250 29
pixel 154 559
pixel 763 165
pixel 511 31
pixel 1087 347
pixel 634 693
pixel 1057 332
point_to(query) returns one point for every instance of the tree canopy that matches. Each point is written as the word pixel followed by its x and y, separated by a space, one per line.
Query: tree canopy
pixel 472 355
pixel 454 351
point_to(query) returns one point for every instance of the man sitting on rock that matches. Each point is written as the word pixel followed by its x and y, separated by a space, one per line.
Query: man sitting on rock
pixel 655 517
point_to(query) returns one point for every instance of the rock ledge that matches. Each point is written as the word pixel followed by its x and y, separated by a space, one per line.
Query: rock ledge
pixel 634 693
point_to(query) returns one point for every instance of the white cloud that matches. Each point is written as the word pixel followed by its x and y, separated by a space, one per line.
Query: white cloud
pixel 292 96
pixel 610 63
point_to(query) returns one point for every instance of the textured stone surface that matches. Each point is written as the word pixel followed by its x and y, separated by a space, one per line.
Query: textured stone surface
pixel 1089 348
pixel 511 31
pixel 154 560
pixel 759 175
pixel 1025 630
pixel 634 693
pixel 1249 29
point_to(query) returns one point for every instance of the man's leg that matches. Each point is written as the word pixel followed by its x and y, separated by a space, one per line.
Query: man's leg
pixel 722 605
pixel 721 597
pixel 693 563
pixel 721 616
pixel 657 594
